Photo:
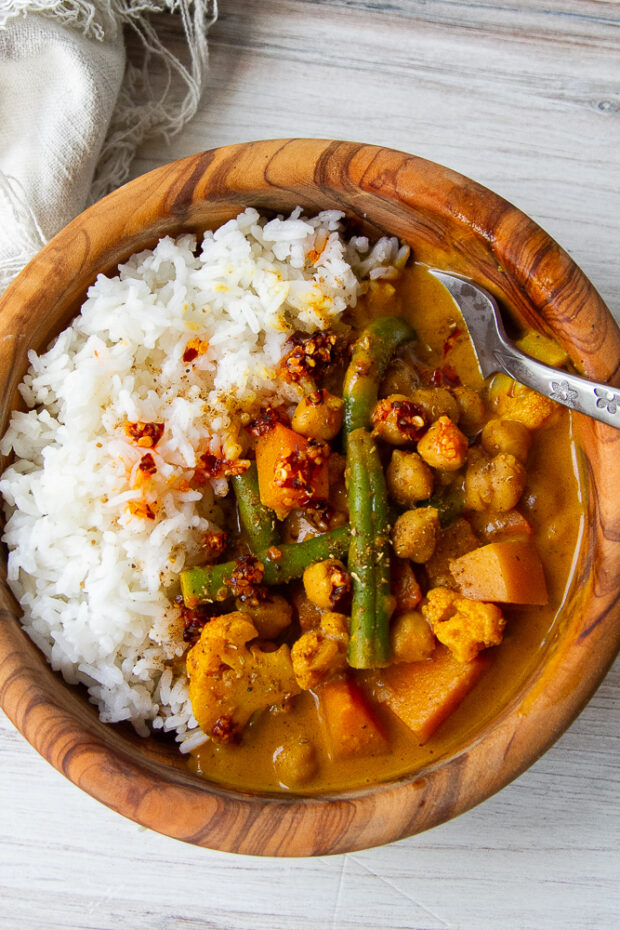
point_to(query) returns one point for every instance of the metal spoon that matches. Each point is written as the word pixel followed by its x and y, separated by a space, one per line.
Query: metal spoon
pixel 495 352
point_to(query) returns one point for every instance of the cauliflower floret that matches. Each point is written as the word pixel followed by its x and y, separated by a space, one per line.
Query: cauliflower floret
pixel 444 445
pixel 514 401
pixel 463 625
pixel 229 681
pixel 321 652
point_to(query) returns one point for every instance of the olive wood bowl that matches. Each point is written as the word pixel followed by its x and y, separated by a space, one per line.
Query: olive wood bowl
pixel 452 223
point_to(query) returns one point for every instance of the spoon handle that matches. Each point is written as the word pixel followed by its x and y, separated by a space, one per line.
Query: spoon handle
pixel 595 400
pixel 495 352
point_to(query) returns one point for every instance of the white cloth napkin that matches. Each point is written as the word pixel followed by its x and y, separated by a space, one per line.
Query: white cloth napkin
pixel 73 110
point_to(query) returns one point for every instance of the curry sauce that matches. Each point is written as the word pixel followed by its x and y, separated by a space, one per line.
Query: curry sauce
pixel 552 508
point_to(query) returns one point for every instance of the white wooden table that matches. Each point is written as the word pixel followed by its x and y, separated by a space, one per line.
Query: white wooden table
pixel 523 96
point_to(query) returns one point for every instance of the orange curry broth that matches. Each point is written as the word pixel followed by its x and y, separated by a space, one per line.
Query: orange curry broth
pixel 552 504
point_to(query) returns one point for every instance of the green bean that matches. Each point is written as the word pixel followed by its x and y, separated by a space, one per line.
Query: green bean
pixel 369 560
pixel 258 521
pixel 282 564
pixel 371 355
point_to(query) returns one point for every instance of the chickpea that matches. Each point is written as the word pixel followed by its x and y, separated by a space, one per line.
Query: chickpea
pixel 472 410
pixel 326 583
pixel 436 402
pixel 295 762
pixel 400 378
pixel 397 420
pixel 494 484
pixel 319 415
pixel 270 616
pixel 502 435
pixel 444 446
pixel 409 479
pixel 416 533
pixel 412 638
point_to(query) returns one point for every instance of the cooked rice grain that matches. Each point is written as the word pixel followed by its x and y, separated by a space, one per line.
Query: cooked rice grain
pixel 95 547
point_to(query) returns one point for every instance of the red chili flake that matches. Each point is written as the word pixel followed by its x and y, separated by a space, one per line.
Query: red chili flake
pixel 212 466
pixel 194 620
pixel 147 464
pixel 141 509
pixel 310 355
pixel 450 376
pixel 274 554
pixel 214 543
pixel 451 340
pixel 267 419
pixel 408 417
pixel 443 377
pixel 246 578
pixel 194 348
pixel 320 514
pixel 316 398
pixel 340 587
pixel 146 435
pixel 297 470
pixel 224 730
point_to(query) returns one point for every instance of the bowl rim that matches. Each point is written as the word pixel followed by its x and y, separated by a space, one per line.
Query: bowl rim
pixel 161 798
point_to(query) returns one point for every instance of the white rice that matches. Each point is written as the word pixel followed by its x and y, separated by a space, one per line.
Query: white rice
pixel 95 579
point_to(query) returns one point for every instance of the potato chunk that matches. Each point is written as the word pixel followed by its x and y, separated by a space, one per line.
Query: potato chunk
pixel 444 446
pixel 502 435
pixel 463 625
pixel 543 348
pixel 349 724
pixel 292 470
pixel 229 681
pixel 321 653
pixel 509 571
pixel 319 415
pixel 415 534
pixel 424 694
pixel 412 638
pixel 409 479
pixel 494 484
pixel 455 540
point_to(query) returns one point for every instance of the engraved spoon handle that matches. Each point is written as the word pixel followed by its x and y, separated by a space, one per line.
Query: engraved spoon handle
pixel 495 352
pixel 595 400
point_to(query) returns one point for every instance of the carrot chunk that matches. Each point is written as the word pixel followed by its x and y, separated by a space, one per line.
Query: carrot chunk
pixel 509 571
pixel 424 694
pixel 292 470
pixel 349 724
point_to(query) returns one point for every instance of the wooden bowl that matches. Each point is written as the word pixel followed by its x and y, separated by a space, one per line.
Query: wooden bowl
pixel 453 223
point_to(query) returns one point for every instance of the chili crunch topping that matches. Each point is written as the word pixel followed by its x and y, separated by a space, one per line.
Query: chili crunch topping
pixel 146 435
pixel 266 420
pixel 310 356
pixel 297 470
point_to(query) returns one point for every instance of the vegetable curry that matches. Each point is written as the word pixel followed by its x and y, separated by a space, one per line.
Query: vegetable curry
pixel 402 543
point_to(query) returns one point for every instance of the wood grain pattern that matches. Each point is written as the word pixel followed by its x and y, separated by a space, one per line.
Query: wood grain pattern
pixel 450 222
